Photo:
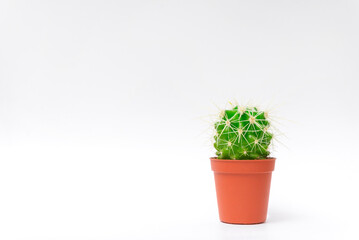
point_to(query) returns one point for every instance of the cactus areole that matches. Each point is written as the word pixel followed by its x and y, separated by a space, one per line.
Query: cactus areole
pixel 242 133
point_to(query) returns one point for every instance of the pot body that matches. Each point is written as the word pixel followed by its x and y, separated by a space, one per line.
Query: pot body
pixel 242 188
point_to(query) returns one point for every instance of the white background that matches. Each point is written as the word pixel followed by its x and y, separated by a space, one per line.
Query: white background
pixel 104 105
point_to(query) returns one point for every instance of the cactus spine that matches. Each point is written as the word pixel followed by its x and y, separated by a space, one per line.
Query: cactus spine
pixel 242 133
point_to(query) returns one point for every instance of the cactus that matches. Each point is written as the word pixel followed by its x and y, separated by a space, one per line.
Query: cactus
pixel 242 133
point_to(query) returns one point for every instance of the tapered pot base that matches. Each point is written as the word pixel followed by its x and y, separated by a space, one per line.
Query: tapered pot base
pixel 243 223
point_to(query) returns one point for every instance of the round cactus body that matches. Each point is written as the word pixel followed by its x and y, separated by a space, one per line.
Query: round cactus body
pixel 242 133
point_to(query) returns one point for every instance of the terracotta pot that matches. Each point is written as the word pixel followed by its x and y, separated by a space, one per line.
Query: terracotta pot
pixel 242 188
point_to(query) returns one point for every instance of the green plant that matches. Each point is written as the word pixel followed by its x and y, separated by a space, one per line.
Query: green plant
pixel 242 133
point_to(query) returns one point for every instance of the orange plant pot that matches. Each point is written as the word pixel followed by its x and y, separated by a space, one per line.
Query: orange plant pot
pixel 242 188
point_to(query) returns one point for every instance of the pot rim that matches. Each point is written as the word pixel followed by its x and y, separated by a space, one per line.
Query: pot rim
pixel 242 166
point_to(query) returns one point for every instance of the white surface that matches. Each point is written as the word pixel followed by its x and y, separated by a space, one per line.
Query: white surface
pixel 101 105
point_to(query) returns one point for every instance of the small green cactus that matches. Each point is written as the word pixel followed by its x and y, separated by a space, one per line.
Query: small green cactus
pixel 242 133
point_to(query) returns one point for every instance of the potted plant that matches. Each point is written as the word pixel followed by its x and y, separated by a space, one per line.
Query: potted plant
pixel 242 168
